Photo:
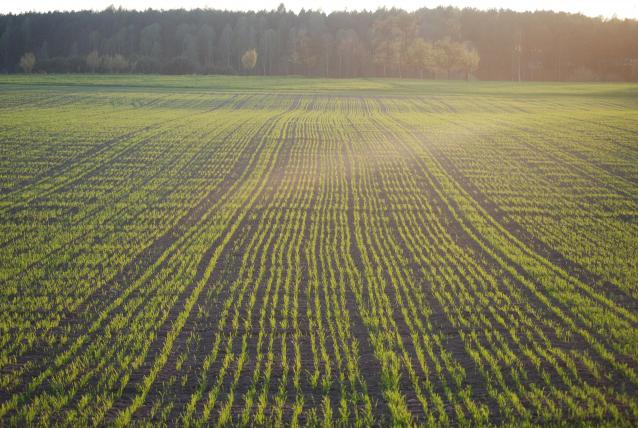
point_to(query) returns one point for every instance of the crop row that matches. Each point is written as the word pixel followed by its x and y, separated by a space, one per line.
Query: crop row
pixel 196 258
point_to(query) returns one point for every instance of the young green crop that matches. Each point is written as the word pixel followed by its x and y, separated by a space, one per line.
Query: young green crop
pixel 216 251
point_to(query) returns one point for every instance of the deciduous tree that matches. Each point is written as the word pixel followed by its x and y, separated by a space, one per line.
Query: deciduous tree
pixel 249 59
pixel 27 62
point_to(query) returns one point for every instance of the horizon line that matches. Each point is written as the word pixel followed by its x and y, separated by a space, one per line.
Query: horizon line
pixel 297 11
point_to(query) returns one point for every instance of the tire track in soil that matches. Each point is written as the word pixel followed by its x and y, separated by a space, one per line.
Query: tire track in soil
pixel 437 317
pixel 307 363
pixel 202 266
pixel 28 103
pixel 244 381
pixel 615 295
pixel 40 198
pixel 135 268
pixel 60 169
pixel 216 300
pixel 70 313
pixel 94 210
pixel 441 321
pixel 246 378
pixel 628 147
pixel 192 290
pixel 69 318
pixel 579 341
pixel 265 247
pixel 159 248
pixel 584 170
pixel 85 157
pixel 572 268
pixel 195 352
pixel 295 238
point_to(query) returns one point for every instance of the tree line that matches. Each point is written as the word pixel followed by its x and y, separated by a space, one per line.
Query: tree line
pixel 444 42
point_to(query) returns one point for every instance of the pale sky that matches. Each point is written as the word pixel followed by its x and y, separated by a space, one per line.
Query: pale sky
pixel 606 8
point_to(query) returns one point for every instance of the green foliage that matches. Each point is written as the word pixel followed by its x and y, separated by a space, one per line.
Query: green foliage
pixel 27 62
pixel 249 59
pixel 270 251
pixel 538 46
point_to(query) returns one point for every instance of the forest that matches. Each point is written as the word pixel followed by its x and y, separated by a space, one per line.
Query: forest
pixel 443 42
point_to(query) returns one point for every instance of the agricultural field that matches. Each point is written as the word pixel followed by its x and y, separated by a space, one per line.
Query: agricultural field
pixel 285 251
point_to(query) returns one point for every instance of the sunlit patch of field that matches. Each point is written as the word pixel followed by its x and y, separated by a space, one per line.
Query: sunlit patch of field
pixel 199 250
